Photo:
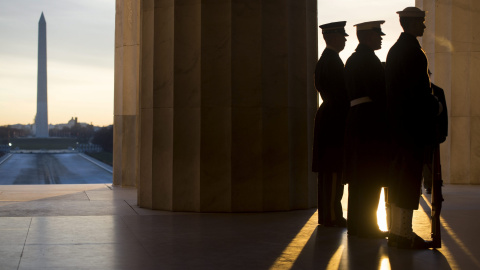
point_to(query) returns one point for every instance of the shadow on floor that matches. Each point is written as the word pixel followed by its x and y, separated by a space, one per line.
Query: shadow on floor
pixel 100 227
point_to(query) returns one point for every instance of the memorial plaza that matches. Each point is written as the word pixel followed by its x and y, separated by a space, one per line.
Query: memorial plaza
pixel 98 226
pixel 214 108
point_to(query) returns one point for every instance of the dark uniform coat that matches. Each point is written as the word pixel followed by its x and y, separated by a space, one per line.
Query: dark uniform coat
pixel 331 116
pixel 412 112
pixel 366 140
pixel 367 132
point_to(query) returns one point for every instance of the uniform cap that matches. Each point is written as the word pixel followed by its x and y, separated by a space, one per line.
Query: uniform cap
pixel 412 12
pixel 373 25
pixel 334 27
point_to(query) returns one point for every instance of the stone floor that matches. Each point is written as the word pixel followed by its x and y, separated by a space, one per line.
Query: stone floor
pixel 98 226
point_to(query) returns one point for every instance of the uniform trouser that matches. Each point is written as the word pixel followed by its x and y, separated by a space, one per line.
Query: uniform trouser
pixel 330 193
pixel 363 198
pixel 406 177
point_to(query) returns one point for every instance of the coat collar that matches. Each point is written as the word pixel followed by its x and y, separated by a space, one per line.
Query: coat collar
pixel 407 38
pixel 364 48
pixel 332 49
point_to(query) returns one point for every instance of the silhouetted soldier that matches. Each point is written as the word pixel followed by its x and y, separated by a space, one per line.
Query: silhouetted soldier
pixel 442 133
pixel 330 126
pixel 366 139
pixel 412 111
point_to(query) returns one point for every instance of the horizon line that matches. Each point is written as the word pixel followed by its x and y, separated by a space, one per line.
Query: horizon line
pixel 53 124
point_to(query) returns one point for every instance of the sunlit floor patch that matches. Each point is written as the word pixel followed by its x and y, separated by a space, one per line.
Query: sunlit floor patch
pixel 295 247
pixel 385 263
pixel 454 237
pixel 334 262
pixel 166 240
pixel 353 250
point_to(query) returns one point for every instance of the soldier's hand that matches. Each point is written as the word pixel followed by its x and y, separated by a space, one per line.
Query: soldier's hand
pixel 440 106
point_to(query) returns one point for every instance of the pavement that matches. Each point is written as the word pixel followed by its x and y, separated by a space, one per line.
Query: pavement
pixel 52 167
pixel 100 226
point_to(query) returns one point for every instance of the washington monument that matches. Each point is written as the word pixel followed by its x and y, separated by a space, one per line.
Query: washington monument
pixel 41 119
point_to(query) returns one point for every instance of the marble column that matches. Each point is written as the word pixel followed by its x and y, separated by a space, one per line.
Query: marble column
pixel 127 67
pixel 451 42
pixel 226 105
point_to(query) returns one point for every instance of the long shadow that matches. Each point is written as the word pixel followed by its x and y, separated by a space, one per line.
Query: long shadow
pixel 171 240
pixel 459 224
pixel 332 248
pixel 324 249
pixel 246 240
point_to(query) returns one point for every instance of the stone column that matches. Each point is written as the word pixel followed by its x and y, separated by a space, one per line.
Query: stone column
pixel 227 105
pixel 451 42
pixel 127 61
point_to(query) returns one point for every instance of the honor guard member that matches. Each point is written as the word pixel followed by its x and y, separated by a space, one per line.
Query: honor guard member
pixel 330 126
pixel 366 138
pixel 412 112
pixel 442 133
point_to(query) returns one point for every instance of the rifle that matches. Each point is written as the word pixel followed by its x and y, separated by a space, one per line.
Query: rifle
pixel 437 199
pixel 437 181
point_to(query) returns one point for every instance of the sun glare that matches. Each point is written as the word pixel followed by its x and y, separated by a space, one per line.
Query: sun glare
pixel 382 213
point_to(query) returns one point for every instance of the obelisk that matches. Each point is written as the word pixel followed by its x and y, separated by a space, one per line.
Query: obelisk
pixel 41 119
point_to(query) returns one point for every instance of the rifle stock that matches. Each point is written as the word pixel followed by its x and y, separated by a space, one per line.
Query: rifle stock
pixel 437 199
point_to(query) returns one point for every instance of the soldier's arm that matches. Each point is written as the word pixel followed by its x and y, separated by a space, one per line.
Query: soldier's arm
pixel 332 79
pixel 423 105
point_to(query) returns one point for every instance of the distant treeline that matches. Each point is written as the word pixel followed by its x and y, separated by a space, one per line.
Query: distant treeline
pixel 104 138
pixel 7 132
pixel 83 134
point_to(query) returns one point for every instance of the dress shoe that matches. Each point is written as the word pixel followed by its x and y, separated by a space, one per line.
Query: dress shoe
pixel 342 223
pixel 376 234
pixel 407 243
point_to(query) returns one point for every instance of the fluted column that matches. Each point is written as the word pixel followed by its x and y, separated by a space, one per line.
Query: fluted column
pixel 454 54
pixel 226 105
pixel 127 53
pixel 216 112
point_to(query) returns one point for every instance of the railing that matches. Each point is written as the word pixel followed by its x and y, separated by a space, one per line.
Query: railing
pixel 5 148
pixel 83 148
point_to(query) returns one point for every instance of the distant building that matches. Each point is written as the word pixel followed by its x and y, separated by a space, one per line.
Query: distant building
pixel 72 122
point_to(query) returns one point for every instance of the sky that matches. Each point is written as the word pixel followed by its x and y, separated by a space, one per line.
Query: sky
pixel 80 53
pixel 358 11
pixel 80 60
